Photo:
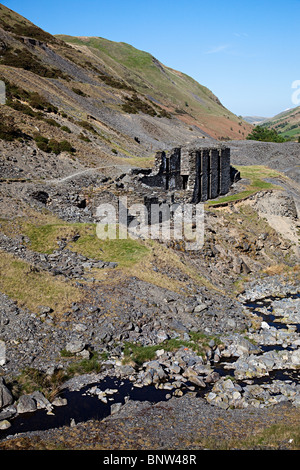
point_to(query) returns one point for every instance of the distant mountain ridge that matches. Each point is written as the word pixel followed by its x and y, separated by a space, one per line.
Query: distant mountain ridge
pixel 255 120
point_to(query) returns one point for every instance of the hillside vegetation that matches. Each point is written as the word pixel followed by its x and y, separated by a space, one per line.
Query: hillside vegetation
pixel 107 100
pixel 286 124
pixel 175 91
pixel 263 134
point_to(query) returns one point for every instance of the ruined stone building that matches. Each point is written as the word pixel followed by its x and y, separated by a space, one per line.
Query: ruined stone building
pixel 201 172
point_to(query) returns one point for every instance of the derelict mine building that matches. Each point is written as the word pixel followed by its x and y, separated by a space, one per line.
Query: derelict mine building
pixel 202 172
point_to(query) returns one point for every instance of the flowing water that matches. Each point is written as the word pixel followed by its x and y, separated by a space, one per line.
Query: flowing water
pixel 82 406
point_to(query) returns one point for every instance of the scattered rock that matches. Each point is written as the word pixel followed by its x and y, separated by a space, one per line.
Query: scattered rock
pixel 75 346
pixel 59 401
pixel 115 408
pixel 6 397
pixel 26 404
pixel 4 425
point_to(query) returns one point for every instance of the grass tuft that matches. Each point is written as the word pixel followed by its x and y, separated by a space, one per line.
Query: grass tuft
pixel 256 175
pixel 125 252
pixel 31 288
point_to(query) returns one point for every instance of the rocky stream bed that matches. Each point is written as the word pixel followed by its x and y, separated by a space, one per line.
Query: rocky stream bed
pixel 253 371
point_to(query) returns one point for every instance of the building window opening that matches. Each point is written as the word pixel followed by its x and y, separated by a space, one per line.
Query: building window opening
pixel 185 180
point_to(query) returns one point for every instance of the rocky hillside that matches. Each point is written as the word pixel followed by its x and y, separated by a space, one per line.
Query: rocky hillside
pixel 284 157
pixel 181 96
pixel 108 100
pixel 76 309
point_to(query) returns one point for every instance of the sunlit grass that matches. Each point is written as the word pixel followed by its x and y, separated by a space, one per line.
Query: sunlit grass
pixel 256 176
pixel 83 239
pixel 274 437
pixel 31 288
pixel 138 354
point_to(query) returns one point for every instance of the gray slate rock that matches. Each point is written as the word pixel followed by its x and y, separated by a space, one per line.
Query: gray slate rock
pixel 6 397
pixel 75 346
pixel 4 425
pixel 26 404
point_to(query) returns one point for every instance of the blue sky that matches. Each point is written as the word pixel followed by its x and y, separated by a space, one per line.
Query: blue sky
pixel 246 53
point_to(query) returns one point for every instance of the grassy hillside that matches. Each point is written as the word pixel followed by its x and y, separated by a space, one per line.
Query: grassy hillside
pixel 287 124
pixel 99 102
pixel 175 91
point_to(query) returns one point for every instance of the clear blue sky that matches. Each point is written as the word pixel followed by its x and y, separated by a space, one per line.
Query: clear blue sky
pixel 246 53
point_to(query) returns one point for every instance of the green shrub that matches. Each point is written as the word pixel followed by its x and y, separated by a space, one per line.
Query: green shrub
pixel 139 354
pixel 164 113
pixel 36 101
pixel 42 143
pixel 24 59
pixel 84 138
pixel 22 108
pixel 114 82
pixel 87 126
pixel 52 122
pixel 28 30
pixel 66 129
pixel 134 104
pixel 79 92
pixel 8 129
pixel 65 146
pixel 32 379
pixel 53 145
pixel 65 353
pixel 85 366
pixel 39 102
pixel 265 135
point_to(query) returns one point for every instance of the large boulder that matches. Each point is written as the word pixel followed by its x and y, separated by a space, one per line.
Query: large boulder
pixel 295 357
pixel 6 397
pixel 26 404
pixel 75 346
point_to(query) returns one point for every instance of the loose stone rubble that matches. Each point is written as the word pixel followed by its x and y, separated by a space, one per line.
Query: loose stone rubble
pixel 231 374
pixel 62 261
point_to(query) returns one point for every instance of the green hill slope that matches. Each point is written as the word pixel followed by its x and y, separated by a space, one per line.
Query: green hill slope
pixel 287 124
pixel 175 91
pixel 109 101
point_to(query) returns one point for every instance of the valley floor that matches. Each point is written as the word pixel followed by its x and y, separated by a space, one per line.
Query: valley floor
pixel 185 423
pixel 85 298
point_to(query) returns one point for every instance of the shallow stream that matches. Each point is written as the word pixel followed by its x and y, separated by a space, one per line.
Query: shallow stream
pixel 82 406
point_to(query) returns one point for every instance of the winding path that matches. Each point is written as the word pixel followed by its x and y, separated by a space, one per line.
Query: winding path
pixel 79 173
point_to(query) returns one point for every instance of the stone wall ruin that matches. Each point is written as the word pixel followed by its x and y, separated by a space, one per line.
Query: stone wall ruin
pixel 201 172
